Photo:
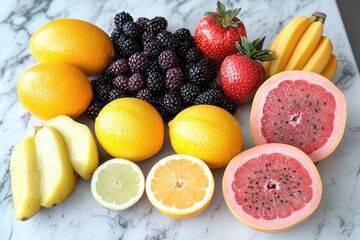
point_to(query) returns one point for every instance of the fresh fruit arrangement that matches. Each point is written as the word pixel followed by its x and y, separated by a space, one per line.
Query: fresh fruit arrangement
pixel 148 75
pixel 42 164
pixel 153 64
pixel 302 46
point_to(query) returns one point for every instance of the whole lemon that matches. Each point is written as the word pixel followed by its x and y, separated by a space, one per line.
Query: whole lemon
pixel 207 132
pixel 75 42
pixel 130 128
pixel 51 89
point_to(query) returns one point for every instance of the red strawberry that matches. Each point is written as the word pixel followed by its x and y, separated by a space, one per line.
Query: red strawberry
pixel 242 74
pixel 217 32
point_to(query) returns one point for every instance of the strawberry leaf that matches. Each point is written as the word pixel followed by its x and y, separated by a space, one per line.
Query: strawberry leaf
pixel 225 18
pixel 254 49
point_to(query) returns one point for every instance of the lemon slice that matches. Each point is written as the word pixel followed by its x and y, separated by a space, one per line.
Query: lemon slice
pixel 180 186
pixel 117 184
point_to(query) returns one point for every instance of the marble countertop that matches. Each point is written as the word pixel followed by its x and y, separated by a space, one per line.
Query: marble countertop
pixel 81 217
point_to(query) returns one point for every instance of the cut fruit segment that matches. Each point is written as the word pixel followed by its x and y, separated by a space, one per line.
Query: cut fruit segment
pixel 57 177
pixel 272 187
pixel 25 179
pixel 80 144
pixel 180 186
pixel 117 184
pixel 302 109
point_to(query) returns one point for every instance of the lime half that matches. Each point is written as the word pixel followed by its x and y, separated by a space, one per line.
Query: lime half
pixel 117 184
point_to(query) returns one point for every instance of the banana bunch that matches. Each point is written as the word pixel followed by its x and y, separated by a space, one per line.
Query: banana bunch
pixel 301 46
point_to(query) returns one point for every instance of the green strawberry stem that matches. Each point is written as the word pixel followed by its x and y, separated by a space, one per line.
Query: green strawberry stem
pixel 254 49
pixel 225 18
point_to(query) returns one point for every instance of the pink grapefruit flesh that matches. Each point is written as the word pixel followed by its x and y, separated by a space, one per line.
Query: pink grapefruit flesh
pixel 302 109
pixel 272 187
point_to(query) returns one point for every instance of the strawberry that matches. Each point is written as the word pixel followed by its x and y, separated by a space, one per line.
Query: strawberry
pixel 242 74
pixel 217 32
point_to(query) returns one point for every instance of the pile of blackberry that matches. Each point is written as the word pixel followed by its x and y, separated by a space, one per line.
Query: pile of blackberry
pixel 153 64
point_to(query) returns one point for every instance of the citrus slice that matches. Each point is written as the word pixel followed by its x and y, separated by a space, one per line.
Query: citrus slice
pixel 180 186
pixel 117 184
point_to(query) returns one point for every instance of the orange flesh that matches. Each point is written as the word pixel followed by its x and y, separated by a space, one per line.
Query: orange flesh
pixel 179 183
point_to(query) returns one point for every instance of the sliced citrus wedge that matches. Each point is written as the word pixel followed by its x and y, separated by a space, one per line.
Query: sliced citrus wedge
pixel 180 186
pixel 117 184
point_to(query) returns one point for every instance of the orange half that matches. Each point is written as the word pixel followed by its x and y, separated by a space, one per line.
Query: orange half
pixel 180 186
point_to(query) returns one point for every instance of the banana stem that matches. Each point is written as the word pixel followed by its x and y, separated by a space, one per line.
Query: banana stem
pixel 320 16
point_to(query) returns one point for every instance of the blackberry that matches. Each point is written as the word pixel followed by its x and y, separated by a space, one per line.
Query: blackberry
pixel 210 97
pixel 228 105
pixel 115 34
pixel 131 30
pixel 141 21
pixel 199 75
pixel 171 102
pixel 210 66
pixel 174 78
pixel 182 48
pixel 187 68
pixel 94 109
pixel 100 92
pixel 193 55
pixel 148 37
pixel 99 81
pixel 121 38
pixel 189 92
pixel 152 49
pixel 121 82
pixel 182 34
pixel 116 93
pixel 215 85
pixel 138 62
pixel 167 41
pixel 153 66
pixel 121 18
pixel 167 59
pixel 136 82
pixel 117 68
pixel 146 95
pixel 157 24
pixel 155 81
pixel 166 115
pixel 130 47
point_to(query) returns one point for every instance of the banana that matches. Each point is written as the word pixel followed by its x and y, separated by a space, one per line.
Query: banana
pixel 290 36
pixel 272 48
pixel 320 57
pixel 306 46
pixel 330 68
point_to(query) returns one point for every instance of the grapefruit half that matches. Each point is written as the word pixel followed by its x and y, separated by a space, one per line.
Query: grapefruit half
pixel 272 187
pixel 302 109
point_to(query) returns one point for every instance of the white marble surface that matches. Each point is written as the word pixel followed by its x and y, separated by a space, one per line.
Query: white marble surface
pixel 80 217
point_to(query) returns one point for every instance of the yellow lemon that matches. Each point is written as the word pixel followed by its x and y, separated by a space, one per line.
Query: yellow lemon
pixel 75 42
pixel 130 128
pixel 207 132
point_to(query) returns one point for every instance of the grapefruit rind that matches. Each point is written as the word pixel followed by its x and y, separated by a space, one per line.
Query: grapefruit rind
pixel 279 224
pixel 340 113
